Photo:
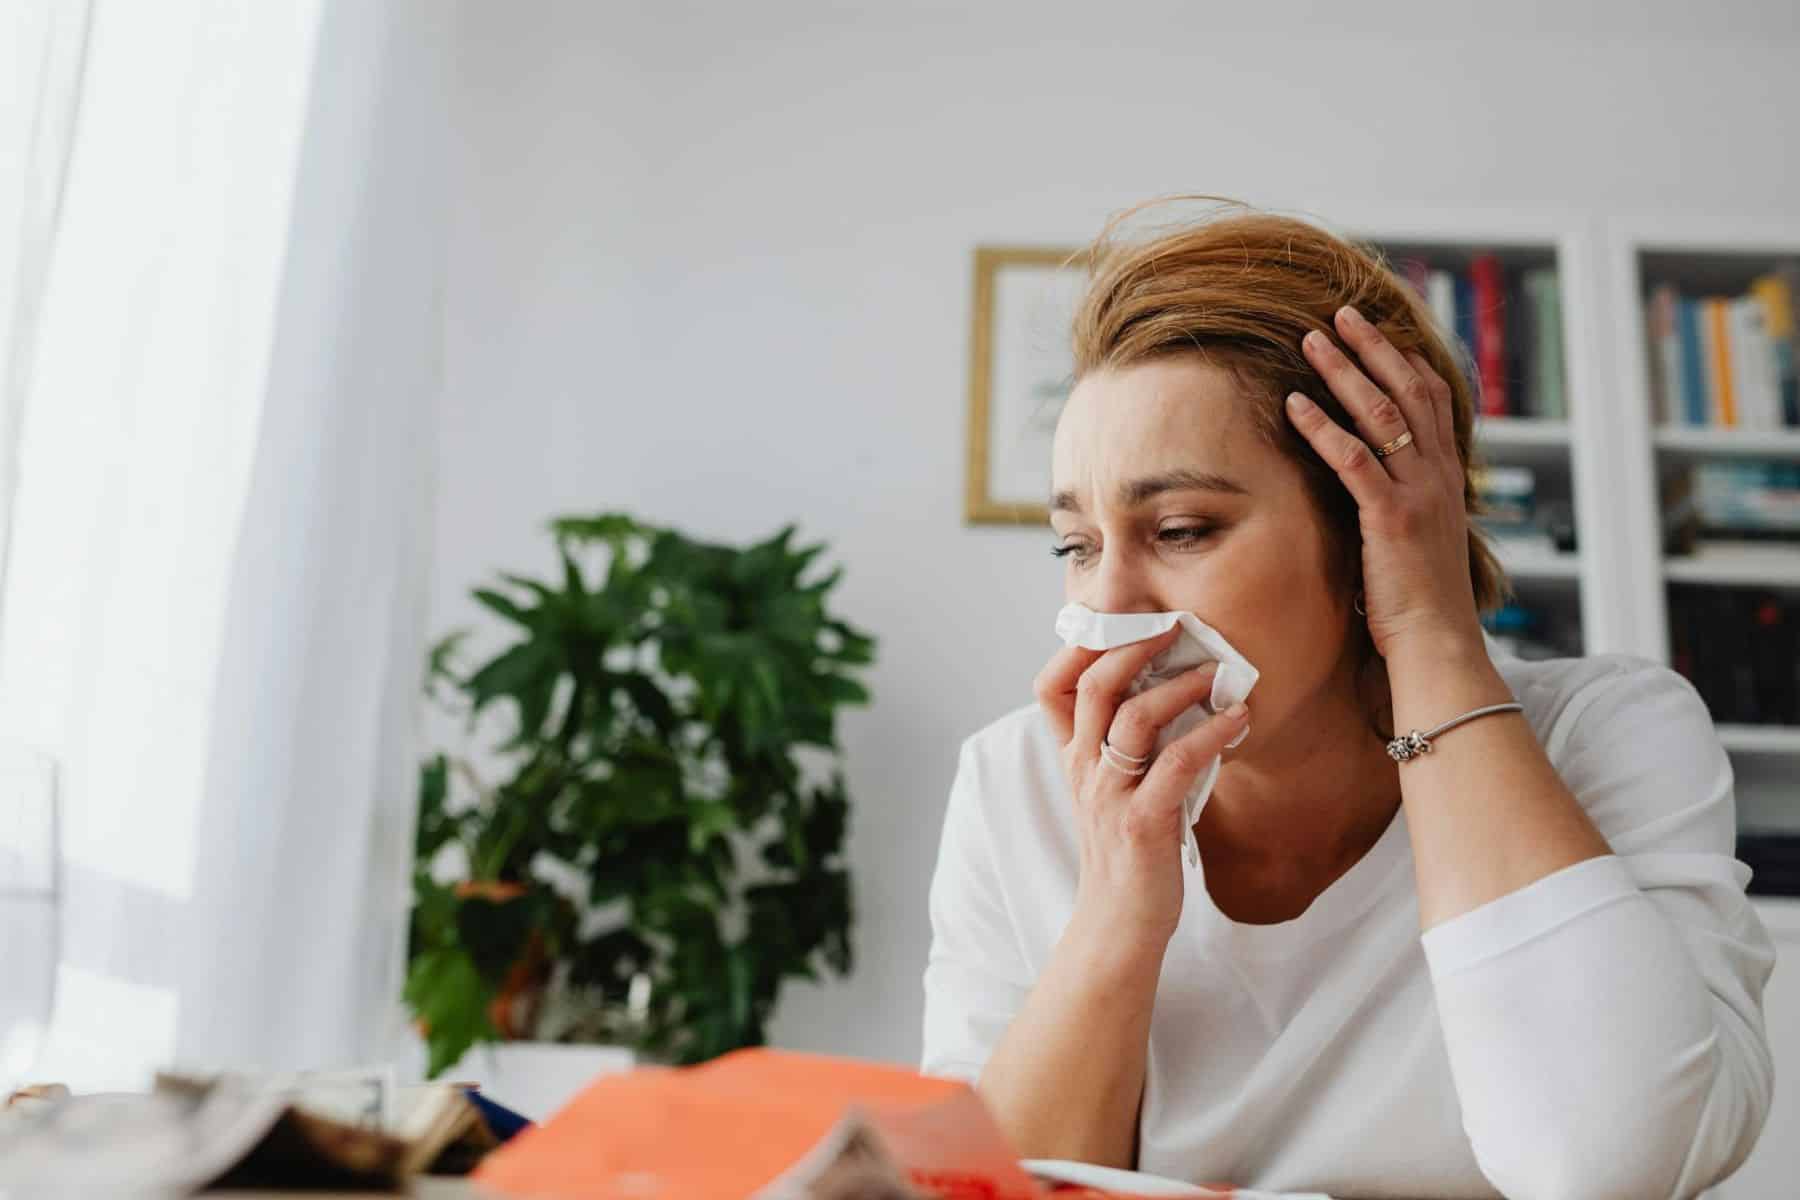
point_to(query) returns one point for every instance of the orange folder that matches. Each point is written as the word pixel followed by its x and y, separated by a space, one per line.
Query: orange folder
pixel 725 1129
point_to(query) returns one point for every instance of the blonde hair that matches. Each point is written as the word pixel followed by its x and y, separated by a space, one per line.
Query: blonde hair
pixel 1239 291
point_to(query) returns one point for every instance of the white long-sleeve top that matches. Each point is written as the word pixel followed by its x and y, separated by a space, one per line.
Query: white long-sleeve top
pixel 1597 1033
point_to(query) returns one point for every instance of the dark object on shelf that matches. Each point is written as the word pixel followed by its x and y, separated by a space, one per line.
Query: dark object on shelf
pixel 1740 648
pixel 1557 518
pixel 1508 497
pixel 1742 501
pixel 1774 860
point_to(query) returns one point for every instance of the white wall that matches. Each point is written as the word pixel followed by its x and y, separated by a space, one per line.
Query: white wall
pixel 711 264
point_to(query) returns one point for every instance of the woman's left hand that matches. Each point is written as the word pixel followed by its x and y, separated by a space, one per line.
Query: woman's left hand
pixel 1415 555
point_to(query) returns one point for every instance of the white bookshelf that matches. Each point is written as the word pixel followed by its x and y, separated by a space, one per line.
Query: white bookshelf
pixel 1682 441
pixel 1760 739
pixel 1748 564
pixel 1522 433
pixel 1703 254
pixel 1527 562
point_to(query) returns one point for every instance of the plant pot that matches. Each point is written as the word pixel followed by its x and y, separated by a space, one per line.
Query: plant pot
pixel 537 1078
pixel 514 1009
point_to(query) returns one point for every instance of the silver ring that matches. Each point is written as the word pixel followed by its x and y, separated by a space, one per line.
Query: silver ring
pixel 1107 755
pixel 1133 759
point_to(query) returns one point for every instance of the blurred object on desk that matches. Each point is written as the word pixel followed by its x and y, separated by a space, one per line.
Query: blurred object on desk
pixel 231 1130
pixel 775 1125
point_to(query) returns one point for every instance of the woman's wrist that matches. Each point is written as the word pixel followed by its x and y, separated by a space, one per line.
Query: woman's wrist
pixel 1450 644
pixel 1434 679
pixel 1105 951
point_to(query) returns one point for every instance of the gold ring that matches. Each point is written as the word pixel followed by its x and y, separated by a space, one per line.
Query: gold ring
pixel 1387 448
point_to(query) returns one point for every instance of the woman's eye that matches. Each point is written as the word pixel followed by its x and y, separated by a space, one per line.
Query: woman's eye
pixel 1179 535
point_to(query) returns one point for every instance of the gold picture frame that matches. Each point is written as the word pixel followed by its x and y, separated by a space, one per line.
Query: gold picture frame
pixel 1024 297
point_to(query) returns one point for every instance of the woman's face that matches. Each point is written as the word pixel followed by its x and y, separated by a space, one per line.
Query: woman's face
pixel 1170 500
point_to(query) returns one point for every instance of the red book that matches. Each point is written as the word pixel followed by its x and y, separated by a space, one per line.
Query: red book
pixel 1489 287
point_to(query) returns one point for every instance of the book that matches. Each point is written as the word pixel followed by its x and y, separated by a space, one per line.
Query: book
pixel 1752 363
pixel 1720 385
pixel 1545 337
pixel 1524 354
pixel 1695 393
pixel 1465 323
pixel 1488 296
pixel 1662 321
pixel 1740 648
pixel 1773 857
pixel 1775 293
pixel 1788 275
pixel 1440 293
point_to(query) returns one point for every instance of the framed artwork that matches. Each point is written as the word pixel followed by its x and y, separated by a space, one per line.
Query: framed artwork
pixel 1020 370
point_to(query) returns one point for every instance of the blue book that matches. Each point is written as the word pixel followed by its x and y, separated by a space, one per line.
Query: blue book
pixel 503 1121
pixel 1465 313
pixel 1693 370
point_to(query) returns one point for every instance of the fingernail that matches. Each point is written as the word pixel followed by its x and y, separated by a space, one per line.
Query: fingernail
pixel 1355 317
pixel 1238 711
pixel 1298 401
pixel 1314 340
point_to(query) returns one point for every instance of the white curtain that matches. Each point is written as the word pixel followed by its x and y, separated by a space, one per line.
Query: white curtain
pixel 212 603
pixel 42 43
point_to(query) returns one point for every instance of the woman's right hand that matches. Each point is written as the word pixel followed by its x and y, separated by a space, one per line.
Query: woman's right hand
pixel 1131 827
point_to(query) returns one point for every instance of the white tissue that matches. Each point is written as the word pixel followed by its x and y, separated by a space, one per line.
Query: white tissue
pixel 1079 625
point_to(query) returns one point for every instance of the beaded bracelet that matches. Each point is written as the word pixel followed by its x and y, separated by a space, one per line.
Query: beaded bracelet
pixel 1411 745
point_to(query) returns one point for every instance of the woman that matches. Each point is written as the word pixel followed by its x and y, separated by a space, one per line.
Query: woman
pixel 1521 963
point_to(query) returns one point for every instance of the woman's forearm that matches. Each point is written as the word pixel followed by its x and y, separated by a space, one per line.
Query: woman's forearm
pixel 1486 810
pixel 1066 1078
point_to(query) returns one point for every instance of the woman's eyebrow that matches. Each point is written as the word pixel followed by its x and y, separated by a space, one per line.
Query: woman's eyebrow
pixel 1136 491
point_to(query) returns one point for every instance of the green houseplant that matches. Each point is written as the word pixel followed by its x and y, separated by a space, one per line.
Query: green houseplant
pixel 651 831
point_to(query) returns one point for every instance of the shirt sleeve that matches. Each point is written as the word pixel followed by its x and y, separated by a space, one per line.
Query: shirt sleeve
pixel 975 975
pixel 1604 1024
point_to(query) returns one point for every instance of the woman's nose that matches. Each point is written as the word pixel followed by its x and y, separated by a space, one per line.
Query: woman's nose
pixel 1120 585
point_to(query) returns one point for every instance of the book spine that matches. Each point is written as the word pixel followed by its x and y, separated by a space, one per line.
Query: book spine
pixel 1440 293
pixel 1552 377
pixel 1775 294
pixel 1747 350
pixel 1789 276
pixel 1524 312
pixel 1490 333
pixel 1718 346
pixel 1763 362
pixel 1465 317
pixel 1665 355
pixel 1693 360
